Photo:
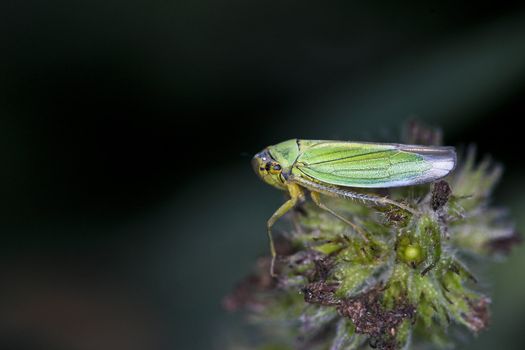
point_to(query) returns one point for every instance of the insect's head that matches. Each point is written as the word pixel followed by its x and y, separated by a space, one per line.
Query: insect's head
pixel 268 169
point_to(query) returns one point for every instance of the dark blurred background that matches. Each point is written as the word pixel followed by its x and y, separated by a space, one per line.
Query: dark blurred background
pixel 128 207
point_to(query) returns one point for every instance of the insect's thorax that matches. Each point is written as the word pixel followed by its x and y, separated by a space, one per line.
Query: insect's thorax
pixel 285 153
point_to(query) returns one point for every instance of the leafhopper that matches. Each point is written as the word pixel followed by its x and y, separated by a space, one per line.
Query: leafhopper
pixel 333 168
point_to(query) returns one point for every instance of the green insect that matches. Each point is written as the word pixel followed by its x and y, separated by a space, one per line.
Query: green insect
pixel 334 167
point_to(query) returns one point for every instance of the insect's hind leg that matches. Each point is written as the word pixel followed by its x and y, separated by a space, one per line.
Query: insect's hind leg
pixel 333 191
pixel 316 197
pixel 373 199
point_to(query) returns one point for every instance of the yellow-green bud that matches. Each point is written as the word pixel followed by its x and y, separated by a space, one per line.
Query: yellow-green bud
pixel 411 254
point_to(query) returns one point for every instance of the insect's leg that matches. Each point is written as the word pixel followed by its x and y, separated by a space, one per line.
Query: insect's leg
pixel 374 199
pixel 295 194
pixel 316 197
pixel 385 201
pixel 344 193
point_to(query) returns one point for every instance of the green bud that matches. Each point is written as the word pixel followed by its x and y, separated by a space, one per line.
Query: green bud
pixel 413 254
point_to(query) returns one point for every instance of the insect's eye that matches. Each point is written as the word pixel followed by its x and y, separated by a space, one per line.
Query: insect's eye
pixel 275 169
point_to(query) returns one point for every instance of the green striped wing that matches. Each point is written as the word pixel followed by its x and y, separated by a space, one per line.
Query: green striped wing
pixel 353 164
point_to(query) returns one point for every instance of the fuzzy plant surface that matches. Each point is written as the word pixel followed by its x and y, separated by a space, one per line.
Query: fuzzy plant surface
pixel 408 284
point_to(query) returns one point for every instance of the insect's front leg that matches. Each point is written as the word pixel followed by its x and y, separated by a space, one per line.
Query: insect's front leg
pixel 296 194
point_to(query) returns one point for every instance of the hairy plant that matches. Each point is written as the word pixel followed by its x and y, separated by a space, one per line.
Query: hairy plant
pixel 407 284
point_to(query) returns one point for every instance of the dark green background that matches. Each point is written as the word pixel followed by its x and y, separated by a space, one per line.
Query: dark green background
pixel 127 204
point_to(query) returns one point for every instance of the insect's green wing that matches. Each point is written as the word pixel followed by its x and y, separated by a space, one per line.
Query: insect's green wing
pixel 354 164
